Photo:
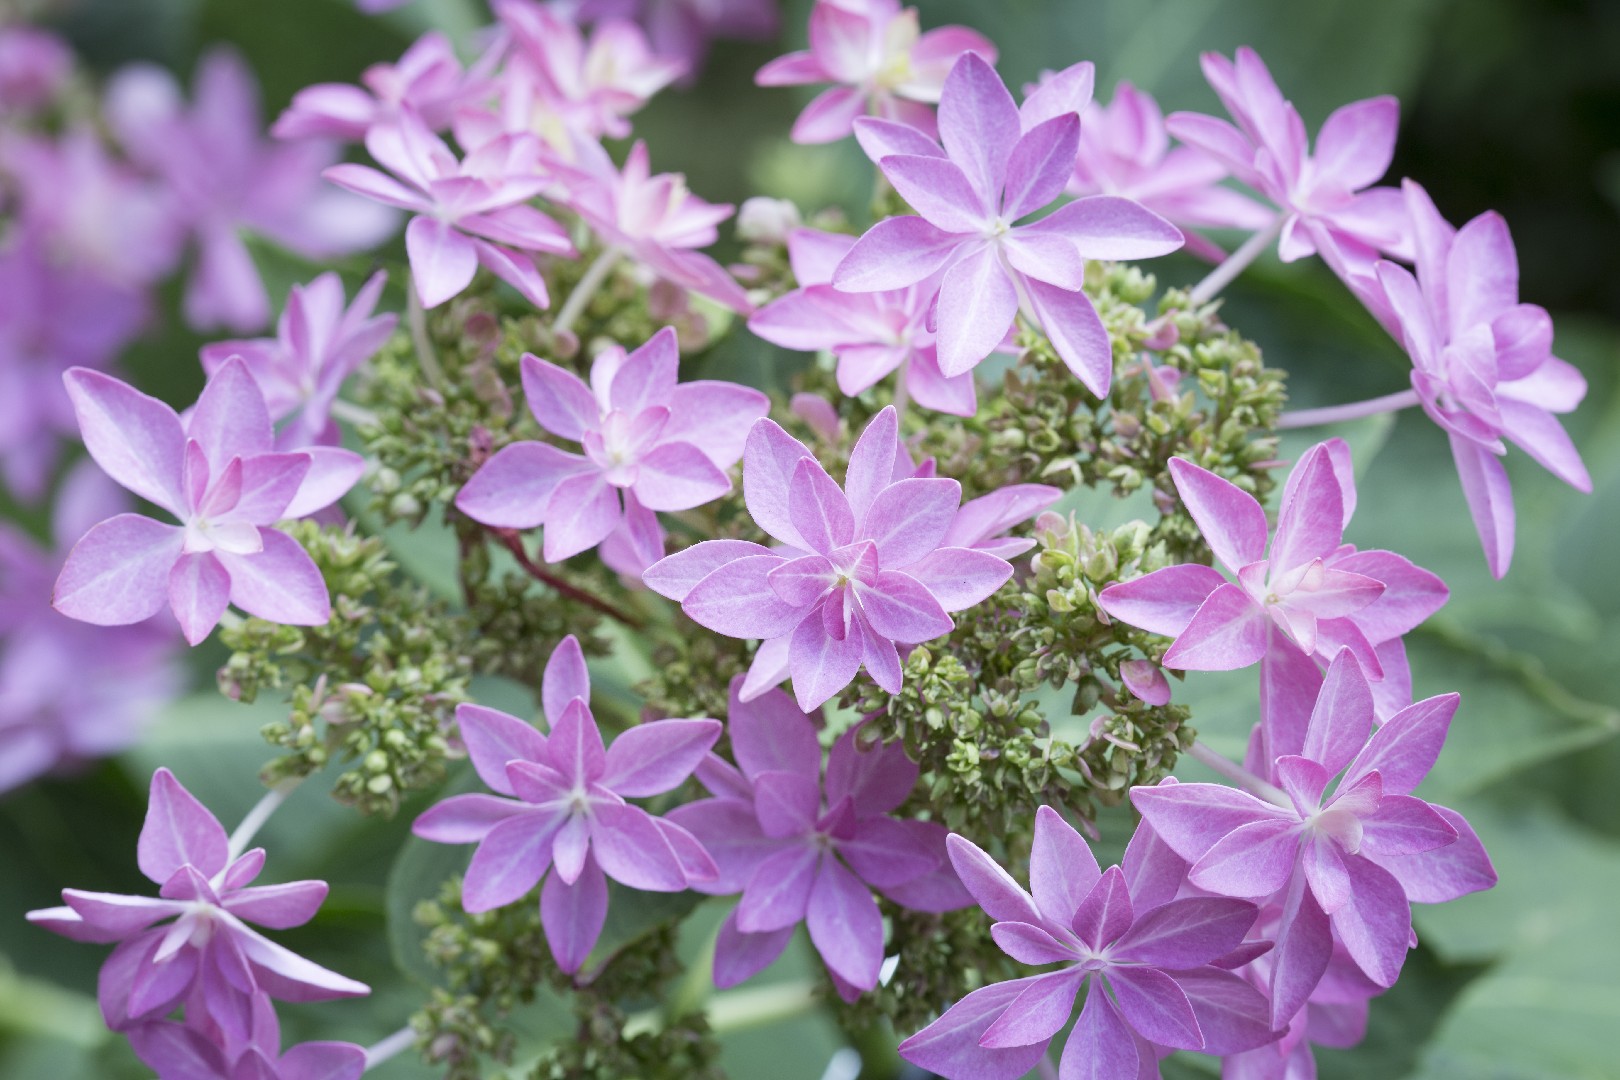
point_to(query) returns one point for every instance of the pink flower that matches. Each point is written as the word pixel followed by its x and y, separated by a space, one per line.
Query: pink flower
pixel 569 813
pixel 682 29
pixel 1308 596
pixel 860 568
pixel 801 849
pixel 1482 362
pixel 318 344
pixel 1125 151
pixel 180 1051
pixel 998 165
pixel 652 218
pixel 468 213
pixel 34 66
pixel 428 81
pixel 658 444
pixel 218 474
pixel 208 958
pixel 873 50
pixel 871 334
pixel 1153 966
pixel 1327 200
pixel 1345 864
pixel 222 176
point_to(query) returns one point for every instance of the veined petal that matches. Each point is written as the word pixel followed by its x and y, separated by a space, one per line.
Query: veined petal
pixel 737 600
pixel 845 925
pixel 1062 869
pixel 656 757
pixel 895 253
pixel 514 488
pixel 280 583
pixel 137 440
pixel 938 190
pixel 199 593
pixel 977 303
pixel 1226 633
pixel 1076 332
pixel 443 261
pixel 1101 1046
pixel 178 831
pixel 118 573
pixel 493 738
pixel 1232 522
pixel 572 914
pixel 1162 602
pixel 510 860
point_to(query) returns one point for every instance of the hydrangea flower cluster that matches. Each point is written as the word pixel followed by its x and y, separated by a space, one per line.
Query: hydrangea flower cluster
pixel 1249 919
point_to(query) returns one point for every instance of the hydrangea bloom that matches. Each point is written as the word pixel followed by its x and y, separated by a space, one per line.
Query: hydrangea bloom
pixel 217 472
pixel 70 693
pixel 318 344
pixel 182 1052
pixel 1308 596
pixel 998 165
pixel 1326 198
pixel 652 218
pixel 884 67
pixel 428 81
pixel 34 65
pixel 1351 859
pixel 569 810
pixel 871 334
pixel 801 849
pixel 1125 151
pixel 682 29
pixel 469 213
pixel 222 176
pixel 1152 966
pixel 648 440
pixel 208 958
pixel 1482 362
pixel 860 568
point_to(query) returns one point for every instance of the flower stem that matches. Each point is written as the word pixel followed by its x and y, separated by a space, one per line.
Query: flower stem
pixel 1338 414
pixel 586 288
pixel 902 390
pixel 1235 263
pixel 735 1010
pixel 512 542
pixel 1240 776
pixel 395 1044
pixel 256 817
pixel 417 319
pixel 358 415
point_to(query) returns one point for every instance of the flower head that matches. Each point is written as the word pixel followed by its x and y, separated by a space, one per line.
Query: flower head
pixel 801 848
pixel 860 568
pixel 649 441
pixel 1482 362
pixel 469 213
pixel 222 176
pixel 995 165
pixel 318 344
pixel 207 958
pixel 883 65
pixel 217 472
pixel 1153 966
pixel 195 1051
pixel 564 809
pixel 34 65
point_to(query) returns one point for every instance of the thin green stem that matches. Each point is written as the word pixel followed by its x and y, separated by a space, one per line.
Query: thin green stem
pixel 595 275
pixel 417 320
pixel 1240 776
pixel 358 415
pixel 394 1045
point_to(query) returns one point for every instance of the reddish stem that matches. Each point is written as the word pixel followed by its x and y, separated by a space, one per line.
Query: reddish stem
pixel 512 542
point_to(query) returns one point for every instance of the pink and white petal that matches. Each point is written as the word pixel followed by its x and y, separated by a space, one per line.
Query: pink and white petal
pixel 1105 913
pixel 572 915
pixel 1062 869
pixel 1186 933
pixel 1101 1046
pixel 893 254
pixel 1538 433
pixel 715 417
pixel 379 187
pixel 1162 602
pixel 900 608
pixel 332 472
pixel 1192 818
pixel 1254 860
pixel 769 668
pixel 1155 1007
pixel 978 124
pixel 675 576
pixel 137 440
pixel 960 577
pixel 1411 594
pixel 786 803
pixel 1077 333
pixel 493 738
pixel 938 190
pixel 559 399
pixel 230 419
pixel 1342 718
pixel 1067 91
pixel 1490 500
pixel 1040 165
pixel 1030 944
pixel 510 860
pixel 564 680
pixel 1044 257
pixel 1357 142
pixel 178 831
pixel 280 907
pixel 199 593
pixel 729 831
pixel 110 916
pixel 950 1045
pixel 820 664
pixel 737 600
pixel 1036 1014
pixel 1002 898
pixel 845 925
pixel 587 511
pixel 871 465
pixel 882 138
pixel 1482 272
pixel 633 850
pixel 118 573
pixel 792 69
pixel 770 733
pixel 656 757
pixel 1232 1015
pixel 1108 227
pixel 769 462
pixel 1311 522
pixel 830 116
pixel 1232 522
pixel 1227 632
pixel 465 819
pixel 739 956
pixel 977 303
pixel 932 389
pixel 1443 873
pixel 1304 948
pixel 285 975
pixel 443 261
pixel 678 476
pixel 908 519
pixel 513 489
pixel 1376 926
pixel 280 583
pixel 1404 825
pixel 516 269
pixel 818 509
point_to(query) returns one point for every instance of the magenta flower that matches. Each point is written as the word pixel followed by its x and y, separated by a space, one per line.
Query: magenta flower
pixel 652 218
pixel 1308 596
pixel 222 176
pixel 658 444
pixel 70 693
pixel 34 66
pixel 469 213
pixel 570 809
pixel 980 523
pixel 428 81
pixel 1326 199
pixel 1125 151
pixel 1349 860
pixel 318 344
pixel 208 958
pixel 1482 362
pixel 183 1052
pixel 557 83
pixel 1000 164
pixel 860 568
pixel 1152 967
pixel 871 334
pixel 883 67
pixel 682 29
pixel 801 849
pixel 218 474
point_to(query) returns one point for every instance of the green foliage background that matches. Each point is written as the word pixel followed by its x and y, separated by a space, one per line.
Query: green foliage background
pixel 1508 104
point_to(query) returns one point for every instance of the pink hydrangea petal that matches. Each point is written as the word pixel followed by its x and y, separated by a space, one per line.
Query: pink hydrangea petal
pixel 845 925
pixel 1040 165
pixel 281 583
pixel 510 861
pixel 1376 925
pixel 137 440
pixel 821 665
pixel 1232 1015
pixel 1490 501
pixel 778 895
pixel 1357 142
pixel 1443 873
pixel 514 488
pixel 280 907
pixel 655 757
pixel 1155 1007
pixel 178 831
pixel 739 956
pixel 1254 860
pixel 1030 944
pixel 978 124
pixel 1037 1013
pixel 559 399
pixel 977 303
pixel 564 679
pixel 1002 898
pixel 443 261
pixel 1101 1046
pixel 1310 524
pixel 737 600
pixel 1105 913
pixel 1226 633
pixel 118 573
pixel 493 738
pixel 1232 522
pixel 1062 869
pixel 572 915
pixel 678 476
pixel 769 462
pixel 1162 602
pixel 1076 332
pixel 199 593
pixel 871 465
pixel 633 850
pixel 1186 933
pixel 465 819
pixel 893 254
pixel 950 1045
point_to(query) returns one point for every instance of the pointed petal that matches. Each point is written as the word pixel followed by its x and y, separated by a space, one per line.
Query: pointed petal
pixel 118 573
pixel 656 757
pixel 1187 933
pixel 893 254
pixel 845 925
pixel 739 956
pixel 513 489
pixel 1076 332
pixel 1155 1007
pixel 1227 632
pixel 281 583
pixel 443 261
pixel 137 440
pixel 1254 860
pixel 1036 1014
pixel 1105 913
pixel 1233 524
pixel 950 1045
pixel 510 861
pixel 1062 869
pixel 977 304
pixel 465 819
pixel 1162 602
pixel 199 593
pixel 1101 1046
pixel 572 915
pixel 493 738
